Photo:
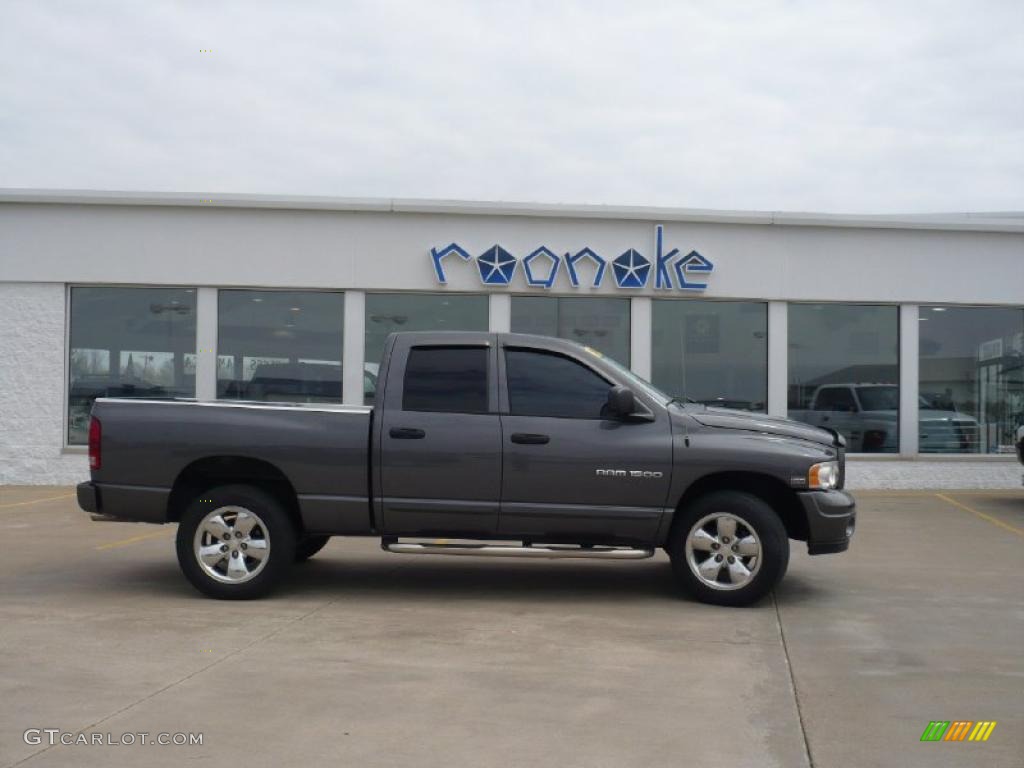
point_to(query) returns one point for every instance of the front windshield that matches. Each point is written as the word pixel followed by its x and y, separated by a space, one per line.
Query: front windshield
pixel 644 386
pixel 879 398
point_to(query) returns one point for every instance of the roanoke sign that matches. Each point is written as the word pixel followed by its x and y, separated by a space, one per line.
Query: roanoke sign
pixel 667 270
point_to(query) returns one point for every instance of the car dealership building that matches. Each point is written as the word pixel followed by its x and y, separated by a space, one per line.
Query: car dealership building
pixel 906 333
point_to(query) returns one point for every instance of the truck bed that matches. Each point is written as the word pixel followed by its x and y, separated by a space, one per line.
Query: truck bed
pixel 322 450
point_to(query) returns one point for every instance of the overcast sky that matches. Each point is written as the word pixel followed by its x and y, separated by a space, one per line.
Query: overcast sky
pixel 851 107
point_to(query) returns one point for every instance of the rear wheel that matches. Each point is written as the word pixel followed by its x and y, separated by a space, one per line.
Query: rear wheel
pixel 728 548
pixel 309 546
pixel 235 542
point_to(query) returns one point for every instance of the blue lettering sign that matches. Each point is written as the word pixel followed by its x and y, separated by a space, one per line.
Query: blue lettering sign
pixel 630 270
pixel 663 279
pixel 692 262
pixel 438 256
pixel 554 261
pixel 586 253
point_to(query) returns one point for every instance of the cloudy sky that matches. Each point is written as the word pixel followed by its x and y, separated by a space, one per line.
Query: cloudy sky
pixel 804 105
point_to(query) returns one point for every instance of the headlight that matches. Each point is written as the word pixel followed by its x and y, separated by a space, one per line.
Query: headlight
pixel 824 476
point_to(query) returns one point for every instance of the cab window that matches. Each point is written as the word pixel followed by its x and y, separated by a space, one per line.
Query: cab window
pixel 446 379
pixel 548 384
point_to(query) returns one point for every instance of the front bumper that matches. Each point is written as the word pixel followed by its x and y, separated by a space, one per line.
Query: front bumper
pixel 831 519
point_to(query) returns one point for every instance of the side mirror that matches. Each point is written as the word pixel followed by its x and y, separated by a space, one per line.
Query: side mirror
pixel 621 401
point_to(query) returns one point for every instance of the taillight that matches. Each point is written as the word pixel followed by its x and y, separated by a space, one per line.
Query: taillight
pixel 95 437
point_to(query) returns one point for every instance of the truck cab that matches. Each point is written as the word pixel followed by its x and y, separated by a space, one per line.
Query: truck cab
pixel 505 436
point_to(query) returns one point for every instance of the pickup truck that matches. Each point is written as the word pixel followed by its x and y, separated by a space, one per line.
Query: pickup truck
pixel 867 415
pixel 487 444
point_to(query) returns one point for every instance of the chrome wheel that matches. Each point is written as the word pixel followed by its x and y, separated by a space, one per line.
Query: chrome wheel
pixel 231 544
pixel 724 551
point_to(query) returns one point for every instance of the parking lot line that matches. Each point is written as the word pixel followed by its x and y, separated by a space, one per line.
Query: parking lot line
pixel 133 539
pixel 982 515
pixel 36 501
pixel 910 493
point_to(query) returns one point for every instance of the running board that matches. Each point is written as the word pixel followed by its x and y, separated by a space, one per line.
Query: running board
pixel 546 551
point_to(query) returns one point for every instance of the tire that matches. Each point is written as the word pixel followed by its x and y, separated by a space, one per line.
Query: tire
pixel 721 525
pixel 255 557
pixel 308 546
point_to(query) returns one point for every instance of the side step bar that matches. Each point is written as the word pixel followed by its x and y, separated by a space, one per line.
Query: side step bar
pixel 546 551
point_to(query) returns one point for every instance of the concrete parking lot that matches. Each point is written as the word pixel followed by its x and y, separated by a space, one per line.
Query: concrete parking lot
pixel 373 659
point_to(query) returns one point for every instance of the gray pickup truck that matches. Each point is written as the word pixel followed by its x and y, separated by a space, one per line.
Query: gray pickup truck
pixel 486 444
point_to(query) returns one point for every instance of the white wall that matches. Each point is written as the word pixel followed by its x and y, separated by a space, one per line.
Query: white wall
pixel 390 251
pixel 32 387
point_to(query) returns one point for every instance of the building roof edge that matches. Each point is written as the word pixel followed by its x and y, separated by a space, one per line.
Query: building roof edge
pixel 1009 221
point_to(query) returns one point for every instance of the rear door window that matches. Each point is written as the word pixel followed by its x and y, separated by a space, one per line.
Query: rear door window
pixel 446 379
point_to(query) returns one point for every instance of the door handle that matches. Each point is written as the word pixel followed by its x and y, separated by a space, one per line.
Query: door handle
pixel 526 438
pixel 407 433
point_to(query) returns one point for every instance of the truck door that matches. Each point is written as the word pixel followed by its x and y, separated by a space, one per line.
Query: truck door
pixel 439 439
pixel 568 471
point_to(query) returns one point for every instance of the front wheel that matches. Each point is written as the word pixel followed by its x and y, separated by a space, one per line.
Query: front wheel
pixel 728 548
pixel 235 542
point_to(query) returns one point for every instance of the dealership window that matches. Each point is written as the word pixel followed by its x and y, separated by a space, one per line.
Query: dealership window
pixel 279 345
pixel 714 352
pixel 597 322
pixel 128 342
pixel 971 378
pixel 844 372
pixel 390 312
